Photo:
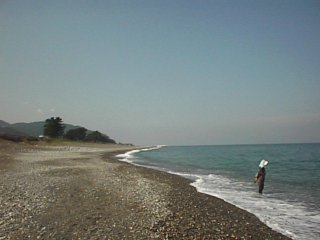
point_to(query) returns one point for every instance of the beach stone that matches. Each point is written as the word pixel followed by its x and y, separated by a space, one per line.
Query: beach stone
pixel 74 192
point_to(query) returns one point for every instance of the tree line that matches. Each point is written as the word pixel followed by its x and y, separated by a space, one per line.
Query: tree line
pixel 54 128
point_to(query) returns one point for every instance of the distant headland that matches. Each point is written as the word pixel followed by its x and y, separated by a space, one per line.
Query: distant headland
pixel 51 128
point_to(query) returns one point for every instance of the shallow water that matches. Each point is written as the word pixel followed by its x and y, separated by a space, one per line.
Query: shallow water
pixel 290 202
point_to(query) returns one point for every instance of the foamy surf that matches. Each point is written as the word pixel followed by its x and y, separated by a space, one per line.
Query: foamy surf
pixel 291 219
pixel 129 156
pixel 290 211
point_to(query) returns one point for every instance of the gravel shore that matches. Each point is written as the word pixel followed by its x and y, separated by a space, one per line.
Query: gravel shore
pixel 82 192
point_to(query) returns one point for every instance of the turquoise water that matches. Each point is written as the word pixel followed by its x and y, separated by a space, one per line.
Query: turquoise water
pixel 290 201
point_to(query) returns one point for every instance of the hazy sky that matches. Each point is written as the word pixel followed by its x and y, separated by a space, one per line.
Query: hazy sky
pixel 165 72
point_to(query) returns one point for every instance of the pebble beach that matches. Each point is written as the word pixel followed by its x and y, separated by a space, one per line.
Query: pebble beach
pixel 81 191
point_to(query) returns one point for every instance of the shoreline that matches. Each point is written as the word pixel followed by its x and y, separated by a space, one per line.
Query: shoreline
pixel 204 216
pixel 193 180
pixel 71 192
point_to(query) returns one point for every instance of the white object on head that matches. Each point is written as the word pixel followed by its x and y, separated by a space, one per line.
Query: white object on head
pixel 263 163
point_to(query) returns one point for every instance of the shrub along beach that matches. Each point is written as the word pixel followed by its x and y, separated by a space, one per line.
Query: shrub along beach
pixel 74 190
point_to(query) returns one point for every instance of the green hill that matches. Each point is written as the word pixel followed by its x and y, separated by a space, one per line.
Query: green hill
pixel 33 129
pixel 36 128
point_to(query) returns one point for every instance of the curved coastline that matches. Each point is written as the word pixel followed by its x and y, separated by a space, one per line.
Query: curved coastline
pixel 211 201
pixel 74 191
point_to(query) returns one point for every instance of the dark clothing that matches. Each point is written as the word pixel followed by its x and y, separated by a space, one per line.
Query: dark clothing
pixel 260 178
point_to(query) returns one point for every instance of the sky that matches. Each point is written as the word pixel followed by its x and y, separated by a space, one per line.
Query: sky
pixel 165 72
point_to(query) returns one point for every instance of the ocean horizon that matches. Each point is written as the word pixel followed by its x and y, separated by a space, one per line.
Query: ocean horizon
pixel 290 201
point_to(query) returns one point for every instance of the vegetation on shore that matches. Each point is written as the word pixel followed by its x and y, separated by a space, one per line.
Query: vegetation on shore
pixel 54 128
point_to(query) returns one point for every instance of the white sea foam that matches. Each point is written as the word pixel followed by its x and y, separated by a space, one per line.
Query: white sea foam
pixel 291 219
pixel 129 156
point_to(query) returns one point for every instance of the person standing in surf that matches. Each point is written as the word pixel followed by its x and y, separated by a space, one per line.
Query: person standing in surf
pixel 261 175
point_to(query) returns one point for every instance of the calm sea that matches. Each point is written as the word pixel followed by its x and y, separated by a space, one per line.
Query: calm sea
pixel 290 202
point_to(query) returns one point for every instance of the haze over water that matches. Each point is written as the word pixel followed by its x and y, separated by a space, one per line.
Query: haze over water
pixel 175 72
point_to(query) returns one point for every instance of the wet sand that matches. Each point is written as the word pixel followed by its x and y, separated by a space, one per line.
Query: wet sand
pixel 80 191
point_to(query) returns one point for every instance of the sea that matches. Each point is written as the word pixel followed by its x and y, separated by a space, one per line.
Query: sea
pixel 290 203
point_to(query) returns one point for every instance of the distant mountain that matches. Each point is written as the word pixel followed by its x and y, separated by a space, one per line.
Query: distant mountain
pixel 7 129
pixel 33 129
pixel 4 124
pixel 11 131
pixel 36 128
